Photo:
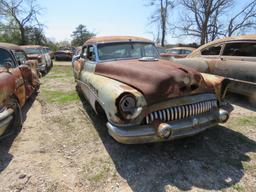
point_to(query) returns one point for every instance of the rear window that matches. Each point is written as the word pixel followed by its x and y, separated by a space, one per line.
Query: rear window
pixel 240 49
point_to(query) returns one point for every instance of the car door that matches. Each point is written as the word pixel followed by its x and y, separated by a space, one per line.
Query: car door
pixel 25 71
pixel 238 60
pixel 87 75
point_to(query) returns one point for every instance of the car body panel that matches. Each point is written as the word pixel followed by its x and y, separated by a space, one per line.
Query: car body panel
pixel 239 69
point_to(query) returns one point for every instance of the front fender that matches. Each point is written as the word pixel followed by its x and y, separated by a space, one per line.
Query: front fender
pixel 199 64
pixel 106 91
pixel 218 83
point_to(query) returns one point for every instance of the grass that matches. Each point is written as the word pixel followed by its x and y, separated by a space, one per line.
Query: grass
pixel 60 97
pixel 243 121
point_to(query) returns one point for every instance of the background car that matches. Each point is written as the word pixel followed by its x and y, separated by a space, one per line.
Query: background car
pixel 37 52
pixel 49 51
pixel 18 80
pixel 177 52
pixel 65 53
pixel 146 99
pixel 232 57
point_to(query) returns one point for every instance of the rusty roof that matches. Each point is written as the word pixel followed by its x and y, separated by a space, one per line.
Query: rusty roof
pixel 108 39
pixel 10 46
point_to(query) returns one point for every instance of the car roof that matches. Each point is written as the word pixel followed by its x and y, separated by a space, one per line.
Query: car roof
pixel 10 46
pixel 109 39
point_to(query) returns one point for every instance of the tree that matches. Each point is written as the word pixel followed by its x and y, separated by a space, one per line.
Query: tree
pixel 243 20
pixel 161 17
pixel 23 13
pixel 80 35
pixel 35 36
pixel 202 20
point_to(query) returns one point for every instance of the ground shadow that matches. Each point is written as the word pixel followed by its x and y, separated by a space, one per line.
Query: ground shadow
pixel 211 160
pixel 6 143
pixel 241 101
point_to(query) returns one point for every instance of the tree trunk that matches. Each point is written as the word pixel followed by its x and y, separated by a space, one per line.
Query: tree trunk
pixel 23 40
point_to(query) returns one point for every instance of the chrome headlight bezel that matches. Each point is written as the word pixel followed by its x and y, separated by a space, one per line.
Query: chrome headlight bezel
pixel 127 106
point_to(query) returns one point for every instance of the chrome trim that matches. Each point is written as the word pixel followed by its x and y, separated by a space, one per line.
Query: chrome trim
pixel 147 133
pixel 181 112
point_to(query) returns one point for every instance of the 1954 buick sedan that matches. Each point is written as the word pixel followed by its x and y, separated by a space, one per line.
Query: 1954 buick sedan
pixel 146 99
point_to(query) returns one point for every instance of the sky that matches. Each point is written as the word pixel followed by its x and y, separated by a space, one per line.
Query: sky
pixel 103 17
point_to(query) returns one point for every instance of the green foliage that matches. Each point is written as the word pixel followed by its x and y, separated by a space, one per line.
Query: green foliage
pixel 80 35
pixel 60 97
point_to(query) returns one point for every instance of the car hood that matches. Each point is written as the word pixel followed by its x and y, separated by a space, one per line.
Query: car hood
pixel 156 80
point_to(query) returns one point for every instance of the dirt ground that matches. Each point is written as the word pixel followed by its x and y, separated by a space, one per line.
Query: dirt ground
pixel 64 146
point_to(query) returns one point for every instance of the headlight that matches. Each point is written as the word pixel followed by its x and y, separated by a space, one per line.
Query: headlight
pixel 127 106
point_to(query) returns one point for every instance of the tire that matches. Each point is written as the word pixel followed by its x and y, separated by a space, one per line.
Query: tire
pixel 16 123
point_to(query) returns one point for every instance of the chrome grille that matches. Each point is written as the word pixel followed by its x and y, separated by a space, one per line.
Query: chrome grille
pixel 181 112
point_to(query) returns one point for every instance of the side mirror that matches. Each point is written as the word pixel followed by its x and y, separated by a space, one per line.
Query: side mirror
pixel 8 65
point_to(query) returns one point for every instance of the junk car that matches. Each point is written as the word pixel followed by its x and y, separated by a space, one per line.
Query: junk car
pixel 39 53
pixel 18 81
pixel 231 57
pixel 177 52
pixel 64 53
pixel 144 98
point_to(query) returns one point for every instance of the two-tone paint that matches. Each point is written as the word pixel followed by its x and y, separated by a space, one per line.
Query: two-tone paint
pixel 188 104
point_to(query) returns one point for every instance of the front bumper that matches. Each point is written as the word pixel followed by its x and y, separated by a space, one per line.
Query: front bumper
pixel 5 119
pixel 178 129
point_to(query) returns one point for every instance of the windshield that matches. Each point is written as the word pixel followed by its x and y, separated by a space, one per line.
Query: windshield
pixel 127 50
pixel 31 51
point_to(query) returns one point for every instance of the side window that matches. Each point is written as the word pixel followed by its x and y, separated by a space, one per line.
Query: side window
pixel 91 53
pixel 214 50
pixel 5 57
pixel 240 49
pixel 20 56
pixel 84 52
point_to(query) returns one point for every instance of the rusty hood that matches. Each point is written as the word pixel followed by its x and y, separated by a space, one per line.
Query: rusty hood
pixel 156 80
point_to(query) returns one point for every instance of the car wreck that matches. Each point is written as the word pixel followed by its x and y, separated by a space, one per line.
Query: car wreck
pixel 18 81
pixel 232 57
pixel 39 53
pixel 146 99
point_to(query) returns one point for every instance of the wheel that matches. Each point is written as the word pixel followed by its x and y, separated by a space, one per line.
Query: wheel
pixel 16 122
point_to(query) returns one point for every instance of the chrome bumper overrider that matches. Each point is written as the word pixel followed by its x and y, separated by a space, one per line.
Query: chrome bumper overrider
pixel 169 130
pixel 5 119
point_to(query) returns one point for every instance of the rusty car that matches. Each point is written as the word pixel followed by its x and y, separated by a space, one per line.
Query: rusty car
pixel 37 52
pixel 18 81
pixel 177 52
pixel 231 57
pixel 146 99
pixel 49 51
pixel 64 53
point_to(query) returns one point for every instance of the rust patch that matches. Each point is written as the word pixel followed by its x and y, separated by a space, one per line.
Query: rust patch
pixel 156 80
